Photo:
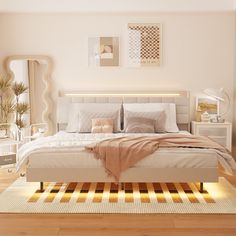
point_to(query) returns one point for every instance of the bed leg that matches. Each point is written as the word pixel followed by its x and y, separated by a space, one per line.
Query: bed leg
pixel 122 186
pixel 201 187
pixel 41 187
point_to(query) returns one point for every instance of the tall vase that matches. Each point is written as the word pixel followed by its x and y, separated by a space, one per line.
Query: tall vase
pixel 19 135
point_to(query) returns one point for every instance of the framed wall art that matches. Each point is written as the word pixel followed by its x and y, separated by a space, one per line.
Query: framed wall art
pixel 103 51
pixel 144 44
pixel 210 105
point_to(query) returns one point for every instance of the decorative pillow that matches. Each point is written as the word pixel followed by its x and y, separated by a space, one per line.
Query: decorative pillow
pixel 140 125
pixel 102 125
pixel 158 116
pixel 75 108
pixel 85 119
pixel 168 108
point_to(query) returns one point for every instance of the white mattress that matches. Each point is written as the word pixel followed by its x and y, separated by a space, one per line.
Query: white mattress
pixel 79 158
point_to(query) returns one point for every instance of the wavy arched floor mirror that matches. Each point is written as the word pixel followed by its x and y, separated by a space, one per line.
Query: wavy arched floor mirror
pixel 34 72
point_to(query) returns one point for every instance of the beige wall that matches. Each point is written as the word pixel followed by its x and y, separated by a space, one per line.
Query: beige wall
pixel 234 97
pixel 197 50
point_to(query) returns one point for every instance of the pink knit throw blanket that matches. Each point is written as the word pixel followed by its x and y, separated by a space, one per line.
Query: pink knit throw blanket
pixel 119 154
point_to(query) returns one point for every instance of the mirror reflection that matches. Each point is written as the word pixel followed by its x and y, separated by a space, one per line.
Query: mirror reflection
pixel 30 86
pixel 30 73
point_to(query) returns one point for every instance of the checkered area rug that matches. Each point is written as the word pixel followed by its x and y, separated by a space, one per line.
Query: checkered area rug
pixel 23 197
pixel 131 192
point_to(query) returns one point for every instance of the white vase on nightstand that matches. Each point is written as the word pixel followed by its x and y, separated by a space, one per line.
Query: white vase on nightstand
pixel 205 117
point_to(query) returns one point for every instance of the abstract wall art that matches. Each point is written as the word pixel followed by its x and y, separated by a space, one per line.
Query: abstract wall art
pixel 103 51
pixel 144 44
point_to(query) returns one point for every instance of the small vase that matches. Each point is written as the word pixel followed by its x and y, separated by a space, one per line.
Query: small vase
pixel 205 117
pixel 198 114
pixel 19 135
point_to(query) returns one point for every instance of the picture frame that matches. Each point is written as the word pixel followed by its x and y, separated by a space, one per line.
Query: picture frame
pixel 208 104
pixel 144 44
pixel 103 51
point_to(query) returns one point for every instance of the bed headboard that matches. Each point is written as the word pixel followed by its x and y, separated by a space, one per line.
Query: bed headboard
pixel 180 98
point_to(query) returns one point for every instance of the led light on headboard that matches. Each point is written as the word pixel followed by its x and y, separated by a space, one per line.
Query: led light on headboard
pixel 165 94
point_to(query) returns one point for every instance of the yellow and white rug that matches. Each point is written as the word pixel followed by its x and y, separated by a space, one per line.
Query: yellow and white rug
pixel 23 197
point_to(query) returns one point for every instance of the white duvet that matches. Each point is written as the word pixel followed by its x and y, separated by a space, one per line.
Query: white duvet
pixel 62 141
pixel 75 143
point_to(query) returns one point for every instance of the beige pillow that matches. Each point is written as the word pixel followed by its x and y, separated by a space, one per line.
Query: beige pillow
pixel 158 116
pixel 168 108
pixel 102 125
pixel 85 119
pixel 140 125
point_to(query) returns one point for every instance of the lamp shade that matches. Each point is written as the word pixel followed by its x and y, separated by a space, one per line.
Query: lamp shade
pixel 218 94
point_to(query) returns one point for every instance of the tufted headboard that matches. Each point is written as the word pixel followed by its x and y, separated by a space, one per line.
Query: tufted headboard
pixel 180 98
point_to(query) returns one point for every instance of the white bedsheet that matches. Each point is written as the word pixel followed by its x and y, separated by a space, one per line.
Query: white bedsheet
pixel 65 150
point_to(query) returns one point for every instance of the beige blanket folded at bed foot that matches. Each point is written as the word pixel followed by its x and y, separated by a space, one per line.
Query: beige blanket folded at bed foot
pixel 118 154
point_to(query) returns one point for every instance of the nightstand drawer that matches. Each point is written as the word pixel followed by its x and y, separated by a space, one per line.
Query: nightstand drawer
pixel 8 159
pixel 212 131
pixel 219 132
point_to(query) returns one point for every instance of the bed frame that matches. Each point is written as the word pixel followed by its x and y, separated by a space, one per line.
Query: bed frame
pixel 180 98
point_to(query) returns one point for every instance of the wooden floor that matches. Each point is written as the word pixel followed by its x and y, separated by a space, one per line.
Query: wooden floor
pixel 108 224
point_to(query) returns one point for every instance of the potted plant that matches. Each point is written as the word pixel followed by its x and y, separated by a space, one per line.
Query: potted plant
pixel 5 98
pixel 10 103
pixel 21 108
pixel 7 106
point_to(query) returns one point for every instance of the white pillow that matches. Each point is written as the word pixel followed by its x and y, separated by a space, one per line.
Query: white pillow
pixel 169 108
pixel 75 108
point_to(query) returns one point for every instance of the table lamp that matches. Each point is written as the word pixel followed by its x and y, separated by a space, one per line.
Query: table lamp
pixel 222 96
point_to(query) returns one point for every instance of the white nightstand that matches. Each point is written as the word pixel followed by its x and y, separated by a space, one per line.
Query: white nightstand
pixel 8 150
pixel 8 145
pixel 219 132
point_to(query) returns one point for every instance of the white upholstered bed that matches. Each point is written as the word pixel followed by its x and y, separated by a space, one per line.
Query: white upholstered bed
pixel 62 157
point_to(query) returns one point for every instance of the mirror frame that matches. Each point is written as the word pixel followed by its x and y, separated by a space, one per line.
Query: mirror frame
pixel 47 100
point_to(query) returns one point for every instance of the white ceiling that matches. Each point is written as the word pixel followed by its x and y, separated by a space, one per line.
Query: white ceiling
pixel 116 5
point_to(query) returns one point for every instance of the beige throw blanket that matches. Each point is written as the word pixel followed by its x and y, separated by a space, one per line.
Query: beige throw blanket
pixel 118 154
